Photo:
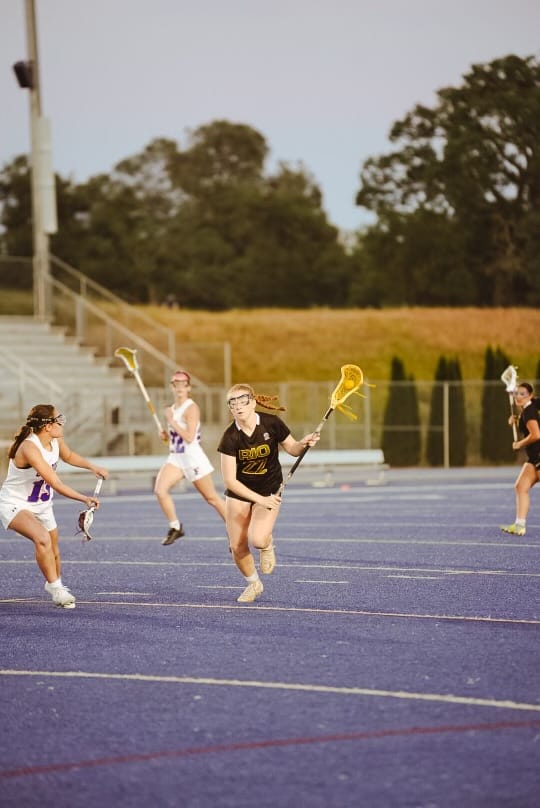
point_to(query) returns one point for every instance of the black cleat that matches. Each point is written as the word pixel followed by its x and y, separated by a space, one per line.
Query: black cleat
pixel 173 534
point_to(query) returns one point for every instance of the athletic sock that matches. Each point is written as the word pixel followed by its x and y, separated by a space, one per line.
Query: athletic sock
pixel 521 522
pixel 56 584
pixel 251 579
pixel 175 524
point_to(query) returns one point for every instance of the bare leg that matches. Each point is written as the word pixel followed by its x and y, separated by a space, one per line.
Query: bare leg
pixel 28 526
pixel 245 523
pixel 168 477
pixel 238 515
pixel 205 487
pixel 56 551
pixel 261 526
pixel 527 477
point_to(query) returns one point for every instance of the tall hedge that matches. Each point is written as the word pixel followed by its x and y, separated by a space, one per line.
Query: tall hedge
pixel 447 370
pixel 457 415
pixel 435 442
pixel 496 434
pixel 401 439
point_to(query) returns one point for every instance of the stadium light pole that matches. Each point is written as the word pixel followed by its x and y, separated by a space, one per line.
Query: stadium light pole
pixel 43 192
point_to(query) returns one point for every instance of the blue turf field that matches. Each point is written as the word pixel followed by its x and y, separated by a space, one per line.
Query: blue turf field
pixel 392 660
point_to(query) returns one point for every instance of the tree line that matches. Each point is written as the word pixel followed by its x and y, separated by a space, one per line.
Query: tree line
pixel 457 207
pixel 401 431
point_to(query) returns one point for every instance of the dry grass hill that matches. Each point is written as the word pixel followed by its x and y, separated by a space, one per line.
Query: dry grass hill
pixel 280 344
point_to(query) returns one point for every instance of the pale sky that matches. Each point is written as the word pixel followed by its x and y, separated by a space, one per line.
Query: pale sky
pixel 322 80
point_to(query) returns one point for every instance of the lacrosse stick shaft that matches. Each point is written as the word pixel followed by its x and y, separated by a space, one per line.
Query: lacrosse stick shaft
pixel 129 358
pixel 305 450
pixel 514 427
pixel 147 399
pixel 351 379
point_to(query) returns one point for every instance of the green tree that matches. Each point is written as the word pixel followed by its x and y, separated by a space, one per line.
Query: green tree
pixel 448 382
pixel 246 239
pixel 16 208
pixel 204 222
pixel 422 257
pixel 435 437
pixel 401 440
pixel 219 155
pixel 496 435
pixel 467 170
pixel 457 425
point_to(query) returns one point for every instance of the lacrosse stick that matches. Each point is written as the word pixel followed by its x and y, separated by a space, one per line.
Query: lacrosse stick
pixel 509 378
pixel 87 517
pixel 351 380
pixel 129 358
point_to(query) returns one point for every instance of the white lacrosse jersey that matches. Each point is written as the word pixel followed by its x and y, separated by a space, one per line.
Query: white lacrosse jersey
pixel 26 485
pixel 176 443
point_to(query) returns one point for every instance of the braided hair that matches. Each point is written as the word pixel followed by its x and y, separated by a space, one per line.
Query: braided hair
pixel 38 417
pixel 262 399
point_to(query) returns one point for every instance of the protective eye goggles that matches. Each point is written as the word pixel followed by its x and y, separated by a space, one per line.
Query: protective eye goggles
pixel 239 401
pixel 60 420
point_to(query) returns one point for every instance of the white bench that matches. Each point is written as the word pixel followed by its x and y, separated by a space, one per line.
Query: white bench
pixel 328 460
pixel 120 466
pixel 324 460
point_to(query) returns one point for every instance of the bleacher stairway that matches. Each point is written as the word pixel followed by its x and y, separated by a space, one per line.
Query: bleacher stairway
pixel 40 364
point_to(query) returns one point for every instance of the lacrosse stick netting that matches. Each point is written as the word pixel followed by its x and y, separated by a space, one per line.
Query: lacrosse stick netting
pixel 86 517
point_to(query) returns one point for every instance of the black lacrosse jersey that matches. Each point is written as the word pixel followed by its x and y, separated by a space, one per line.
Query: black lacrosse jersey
pixel 531 413
pixel 257 455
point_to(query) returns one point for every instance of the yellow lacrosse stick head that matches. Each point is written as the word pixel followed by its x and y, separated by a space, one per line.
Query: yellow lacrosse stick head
pixel 351 380
pixel 128 357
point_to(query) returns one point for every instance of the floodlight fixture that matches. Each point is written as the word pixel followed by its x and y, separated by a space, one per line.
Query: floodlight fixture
pixel 23 71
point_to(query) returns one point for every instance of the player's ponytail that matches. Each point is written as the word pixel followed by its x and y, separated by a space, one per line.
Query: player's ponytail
pixel 264 401
pixel 38 417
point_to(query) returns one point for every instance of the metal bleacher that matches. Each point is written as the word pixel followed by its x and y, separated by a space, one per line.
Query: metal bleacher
pixel 69 361
pixel 41 364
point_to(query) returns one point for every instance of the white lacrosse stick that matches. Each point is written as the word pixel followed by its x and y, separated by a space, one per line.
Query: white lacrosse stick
pixel 509 378
pixel 129 358
pixel 87 517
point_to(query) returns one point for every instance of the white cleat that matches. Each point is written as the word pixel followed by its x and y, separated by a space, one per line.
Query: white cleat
pixel 61 596
pixel 251 592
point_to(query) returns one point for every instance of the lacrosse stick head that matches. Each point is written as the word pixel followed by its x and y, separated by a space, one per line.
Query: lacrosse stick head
pixel 85 523
pixel 128 357
pixel 509 378
pixel 351 380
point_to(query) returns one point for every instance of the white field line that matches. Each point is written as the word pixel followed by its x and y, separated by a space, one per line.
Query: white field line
pixel 504 704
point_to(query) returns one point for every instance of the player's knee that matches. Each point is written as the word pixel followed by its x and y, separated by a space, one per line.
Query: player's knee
pixel 160 491
pixel 239 547
pixel 43 542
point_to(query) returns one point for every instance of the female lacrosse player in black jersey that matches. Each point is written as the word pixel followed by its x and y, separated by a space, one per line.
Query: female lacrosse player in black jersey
pixel 529 426
pixel 252 475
